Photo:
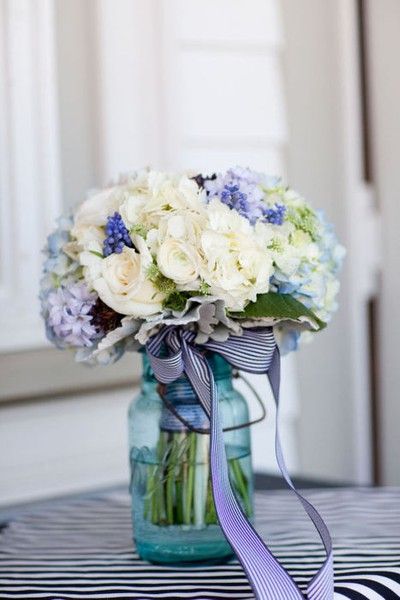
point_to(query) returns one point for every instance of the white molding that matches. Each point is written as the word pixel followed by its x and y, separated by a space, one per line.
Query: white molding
pixel 30 180
pixel 263 434
pixel 325 163
pixel 64 446
pixel 382 21
pixel 129 118
pixel 364 239
pixel 237 47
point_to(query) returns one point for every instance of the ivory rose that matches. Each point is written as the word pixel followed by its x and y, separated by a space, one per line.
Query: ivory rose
pixel 121 280
pixel 97 207
pixel 179 261
pixel 237 266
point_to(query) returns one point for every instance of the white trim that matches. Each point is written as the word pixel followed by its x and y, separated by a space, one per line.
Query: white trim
pixel 30 185
pixel 129 120
pixel 64 446
pixel 363 240
pixel 382 20
pixel 325 163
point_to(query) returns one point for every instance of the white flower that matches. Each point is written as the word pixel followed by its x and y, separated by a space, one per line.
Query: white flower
pixel 306 248
pixel 276 238
pixel 169 194
pixel 121 280
pixel 131 210
pixel 91 216
pixel 89 237
pixel 155 195
pixel 183 225
pixel 176 244
pixel 238 267
pixel 179 261
pixel 96 208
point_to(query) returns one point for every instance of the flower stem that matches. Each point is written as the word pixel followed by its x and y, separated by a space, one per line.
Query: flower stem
pixel 153 495
pixel 241 484
pixel 211 515
pixel 171 469
pixel 191 453
pixel 201 479
pixel 159 491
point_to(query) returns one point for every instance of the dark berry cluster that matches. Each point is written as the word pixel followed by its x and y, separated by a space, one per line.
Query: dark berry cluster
pixel 201 179
pixel 117 236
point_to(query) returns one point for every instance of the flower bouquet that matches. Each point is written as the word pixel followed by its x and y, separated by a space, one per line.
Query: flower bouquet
pixel 194 270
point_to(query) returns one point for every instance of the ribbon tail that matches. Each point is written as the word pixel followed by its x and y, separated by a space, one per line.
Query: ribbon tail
pixel 321 585
pixel 268 579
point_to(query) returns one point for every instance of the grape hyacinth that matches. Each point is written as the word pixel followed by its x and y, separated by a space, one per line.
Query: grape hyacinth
pixel 117 235
pixel 69 315
pixel 238 188
pixel 276 214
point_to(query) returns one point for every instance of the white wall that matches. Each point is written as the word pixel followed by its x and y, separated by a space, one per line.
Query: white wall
pixel 63 445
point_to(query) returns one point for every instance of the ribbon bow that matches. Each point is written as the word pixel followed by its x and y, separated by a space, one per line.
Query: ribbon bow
pixel 255 352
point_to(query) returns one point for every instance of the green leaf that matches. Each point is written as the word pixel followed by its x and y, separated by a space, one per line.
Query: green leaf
pixel 96 253
pixel 278 306
pixel 162 283
pixel 176 301
pixel 138 229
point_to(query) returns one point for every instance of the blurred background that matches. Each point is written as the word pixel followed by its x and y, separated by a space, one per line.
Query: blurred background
pixel 309 90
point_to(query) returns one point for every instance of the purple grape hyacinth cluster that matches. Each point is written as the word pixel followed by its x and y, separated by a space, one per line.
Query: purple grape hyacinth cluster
pixel 276 214
pixel 69 315
pixel 117 235
pixel 240 189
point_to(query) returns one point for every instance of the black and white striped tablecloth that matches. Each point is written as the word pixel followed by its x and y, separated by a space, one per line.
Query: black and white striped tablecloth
pixel 83 549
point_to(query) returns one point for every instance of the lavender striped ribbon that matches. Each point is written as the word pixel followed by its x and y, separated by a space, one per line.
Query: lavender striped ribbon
pixel 255 352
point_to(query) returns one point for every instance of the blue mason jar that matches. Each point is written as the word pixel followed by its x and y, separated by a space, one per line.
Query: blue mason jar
pixel 174 518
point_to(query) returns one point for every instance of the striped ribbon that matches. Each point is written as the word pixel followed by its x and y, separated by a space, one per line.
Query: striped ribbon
pixel 255 352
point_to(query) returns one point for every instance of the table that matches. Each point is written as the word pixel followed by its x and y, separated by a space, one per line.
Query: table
pixel 82 548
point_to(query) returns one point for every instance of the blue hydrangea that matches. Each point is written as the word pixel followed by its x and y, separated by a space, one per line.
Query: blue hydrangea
pixel 117 235
pixel 57 265
pixel 288 339
pixel 310 284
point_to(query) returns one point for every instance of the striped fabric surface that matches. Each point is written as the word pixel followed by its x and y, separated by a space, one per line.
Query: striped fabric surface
pixel 83 549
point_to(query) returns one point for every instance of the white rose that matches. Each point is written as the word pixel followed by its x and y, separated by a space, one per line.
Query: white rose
pixel 171 193
pixel 96 209
pixel 121 280
pixel 183 225
pixel 176 243
pixel 238 266
pixel 179 261
pixel 131 210
pixel 89 237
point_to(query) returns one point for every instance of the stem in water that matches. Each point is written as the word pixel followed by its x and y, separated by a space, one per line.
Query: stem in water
pixel 190 479
pixel 201 479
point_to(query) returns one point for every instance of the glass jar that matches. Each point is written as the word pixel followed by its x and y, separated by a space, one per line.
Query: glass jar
pixel 174 518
